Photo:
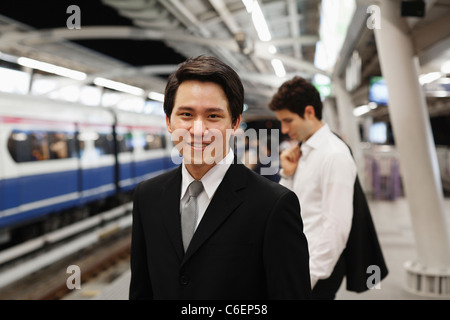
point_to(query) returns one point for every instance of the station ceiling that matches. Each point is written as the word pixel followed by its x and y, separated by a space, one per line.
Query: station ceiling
pixel 140 42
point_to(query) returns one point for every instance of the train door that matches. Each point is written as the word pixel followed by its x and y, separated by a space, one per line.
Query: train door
pixel 151 160
pixel 3 154
pixel 125 157
pixel 47 167
pixel 9 200
pixel 77 154
pixel 97 161
pixel 8 173
pixel 12 144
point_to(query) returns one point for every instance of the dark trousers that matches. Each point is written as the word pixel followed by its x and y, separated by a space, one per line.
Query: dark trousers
pixel 325 289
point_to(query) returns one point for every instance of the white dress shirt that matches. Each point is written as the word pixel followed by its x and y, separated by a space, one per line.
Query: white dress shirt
pixel 210 181
pixel 324 182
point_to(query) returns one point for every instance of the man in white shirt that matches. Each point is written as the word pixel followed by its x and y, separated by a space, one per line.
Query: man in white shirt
pixel 322 173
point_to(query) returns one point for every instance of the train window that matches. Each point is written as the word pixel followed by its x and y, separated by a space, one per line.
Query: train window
pixel 62 145
pixel 39 145
pixel 104 144
pixel 25 146
pixel 125 142
pixel 19 146
pixel 154 141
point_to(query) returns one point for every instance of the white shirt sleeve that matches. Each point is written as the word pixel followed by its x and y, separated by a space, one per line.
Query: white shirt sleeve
pixel 338 178
pixel 286 181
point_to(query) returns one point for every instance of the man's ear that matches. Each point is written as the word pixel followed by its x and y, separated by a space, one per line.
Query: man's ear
pixel 310 112
pixel 168 124
pixel 237 123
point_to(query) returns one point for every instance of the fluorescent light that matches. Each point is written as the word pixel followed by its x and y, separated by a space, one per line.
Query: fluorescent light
pixel 19 136
pixel 156 96
pixel 372 105
pixel 248 5
pixel 277 64
pixel 278 67
pixel 445 68
pixel 258 19
pixel 272 49
pixel 119 86
pixel 429 77
pixel 359 111
pixel 51 68
pixel 260 23
pixel 321 79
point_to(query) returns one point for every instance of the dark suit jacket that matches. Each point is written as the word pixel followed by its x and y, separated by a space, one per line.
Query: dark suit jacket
pixel 362 249
pixel 248 245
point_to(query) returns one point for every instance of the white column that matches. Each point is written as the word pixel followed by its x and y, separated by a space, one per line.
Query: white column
pixel 348 124
pixel 417 153
pixel 329 115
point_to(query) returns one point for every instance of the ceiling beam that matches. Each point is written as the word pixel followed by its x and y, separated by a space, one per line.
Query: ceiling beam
pixel 229 21
pixel 297 64
pixel 107 32
pixel 431 33
pixel 358 24
pixel 123 32
pixel 295 28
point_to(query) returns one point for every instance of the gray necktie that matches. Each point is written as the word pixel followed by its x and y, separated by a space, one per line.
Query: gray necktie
pixel 189 212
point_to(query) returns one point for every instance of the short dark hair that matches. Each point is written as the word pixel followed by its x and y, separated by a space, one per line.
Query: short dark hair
pixel 295 95
pixel 207 69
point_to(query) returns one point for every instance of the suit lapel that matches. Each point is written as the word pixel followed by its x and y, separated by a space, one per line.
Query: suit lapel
pixel 223 203
pixel 171 210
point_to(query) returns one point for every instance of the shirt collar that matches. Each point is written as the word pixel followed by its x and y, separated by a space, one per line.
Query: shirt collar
pixel 315 140
pixel 211 179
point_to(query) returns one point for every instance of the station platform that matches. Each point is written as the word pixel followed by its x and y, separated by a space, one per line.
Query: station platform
pixel 393 225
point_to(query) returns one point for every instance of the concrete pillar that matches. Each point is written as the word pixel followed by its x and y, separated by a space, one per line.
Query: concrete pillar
pixel 430 274
pixel 329 115
pixel 348 124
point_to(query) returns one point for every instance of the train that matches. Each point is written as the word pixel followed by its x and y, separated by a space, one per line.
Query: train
pixel 62 161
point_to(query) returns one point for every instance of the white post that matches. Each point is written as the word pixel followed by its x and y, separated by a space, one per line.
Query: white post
pixel 349 125
pixel 329 115
pixel 430 274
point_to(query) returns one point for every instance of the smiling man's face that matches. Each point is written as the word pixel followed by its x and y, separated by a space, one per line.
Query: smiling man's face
pixel 201 123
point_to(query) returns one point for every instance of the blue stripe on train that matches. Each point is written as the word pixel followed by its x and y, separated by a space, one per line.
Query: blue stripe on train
pixel 29 215
pixel 139 171
pixel 94 182
pixel 29 197
pixel 26 190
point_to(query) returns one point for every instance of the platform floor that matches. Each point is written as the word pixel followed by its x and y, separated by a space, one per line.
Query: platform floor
pixel 393 224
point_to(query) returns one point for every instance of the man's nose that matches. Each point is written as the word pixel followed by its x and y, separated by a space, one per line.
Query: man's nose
pixel 199 128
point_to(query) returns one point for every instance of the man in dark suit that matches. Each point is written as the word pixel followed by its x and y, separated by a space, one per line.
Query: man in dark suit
pixel 248 241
